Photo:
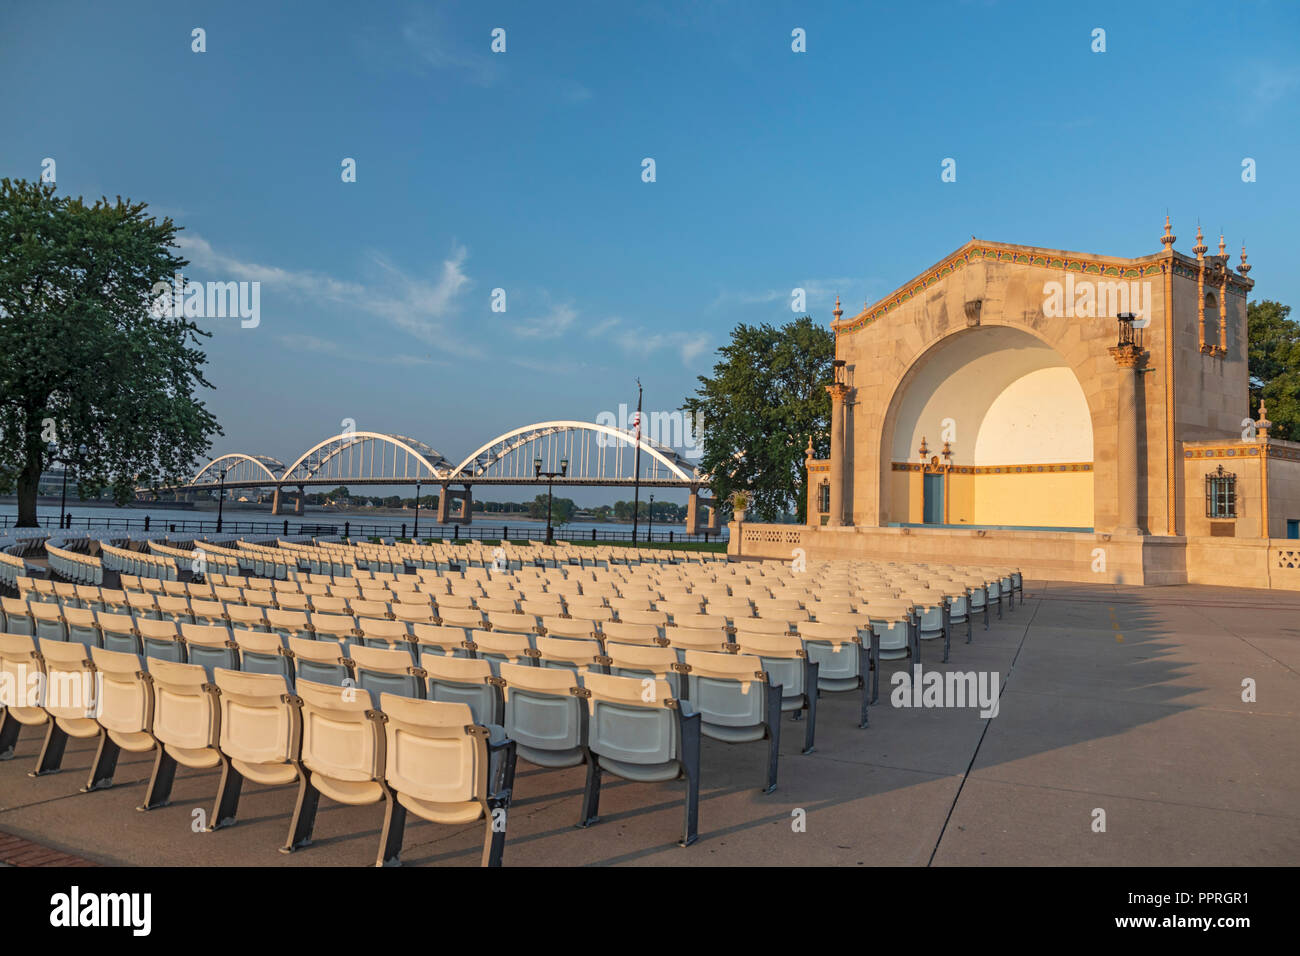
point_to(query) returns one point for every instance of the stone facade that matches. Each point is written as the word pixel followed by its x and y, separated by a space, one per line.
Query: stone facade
pixel 1036 408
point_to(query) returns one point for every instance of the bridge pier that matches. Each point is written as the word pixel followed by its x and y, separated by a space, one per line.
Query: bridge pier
pixel 693 511
pixel 712 526
pixel 467 506
pixel 297 505
pixel 275 502
pixel 443 497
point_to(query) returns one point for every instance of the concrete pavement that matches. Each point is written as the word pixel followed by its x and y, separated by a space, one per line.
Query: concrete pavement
pixel 1122 700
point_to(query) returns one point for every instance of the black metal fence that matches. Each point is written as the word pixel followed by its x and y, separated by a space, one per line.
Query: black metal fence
pixel 357 529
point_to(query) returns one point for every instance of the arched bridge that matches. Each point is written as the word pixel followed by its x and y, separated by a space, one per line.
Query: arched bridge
pixel 587 453
pixel 594 455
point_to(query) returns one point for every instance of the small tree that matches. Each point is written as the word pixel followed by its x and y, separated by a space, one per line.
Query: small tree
pixel 83 358
pixel 766 396
pixel 1274 360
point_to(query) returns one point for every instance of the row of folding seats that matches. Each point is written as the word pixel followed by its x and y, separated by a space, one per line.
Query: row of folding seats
pixel 126 561
pixel 73 567
pixel 12 568
pixel 424 757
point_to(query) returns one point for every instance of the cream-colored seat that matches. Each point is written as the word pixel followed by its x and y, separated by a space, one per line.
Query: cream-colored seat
pixel 498 646
pixel 118 632
pixel 125 712
pixel 82 627
pixel 647 634
pixel 737 704
pixel 647 660
pixel 844 658
pixel 786 663
pixel 380 670
pixel 414 613
pixel 22 671
pixel 16 616
pixel 504 623
pixel 463 680
pixel 468 618
pixel 442 640
pixel 574 627
pixel 186 724
pixel 47 621
pixel 343 750
pixel 763 625
pixel 211 613
pixel 544 714
pixel 210 646
pixel 444 768
pixel 251 618
pixel 161 640
pixel 69 699
pixel 261 652
pixel 576 655
pixel 714 639
pixel 261 734
pixel 642 733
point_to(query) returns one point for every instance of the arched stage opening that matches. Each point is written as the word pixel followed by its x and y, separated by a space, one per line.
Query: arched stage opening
pixel 1007 433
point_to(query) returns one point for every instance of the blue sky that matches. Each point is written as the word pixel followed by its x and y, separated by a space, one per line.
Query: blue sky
pixel 522 171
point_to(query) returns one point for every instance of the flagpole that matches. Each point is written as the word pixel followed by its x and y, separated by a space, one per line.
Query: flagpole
pixel 636 466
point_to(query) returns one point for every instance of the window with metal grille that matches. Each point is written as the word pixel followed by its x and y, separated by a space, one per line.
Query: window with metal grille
pixel 1220 494
pixel 823 498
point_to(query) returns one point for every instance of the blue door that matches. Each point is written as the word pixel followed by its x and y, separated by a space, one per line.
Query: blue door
pixel 933 510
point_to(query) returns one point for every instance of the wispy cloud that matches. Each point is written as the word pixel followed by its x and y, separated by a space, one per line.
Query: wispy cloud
pixel 1263 86
pixel 819 294
pixel 636 340
pixel 552 325
pixel 439 48
pixel 423 308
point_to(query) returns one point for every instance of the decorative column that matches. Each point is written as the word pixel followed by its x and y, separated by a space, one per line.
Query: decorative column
pixel 1129 356
pixel 1199 249
pixel 1262 425
pixel 1223 300
pixel 838 392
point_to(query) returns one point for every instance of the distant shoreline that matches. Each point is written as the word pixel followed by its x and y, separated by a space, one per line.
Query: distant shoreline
pixel 246 508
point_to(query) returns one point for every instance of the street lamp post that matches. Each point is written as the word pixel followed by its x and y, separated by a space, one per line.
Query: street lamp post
pixel 636 465
pixel 416 539
pixel 221 498
pixel 550 476
pixel 63 495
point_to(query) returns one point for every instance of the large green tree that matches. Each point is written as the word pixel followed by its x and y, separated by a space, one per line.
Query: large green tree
pixel 765 398
pixel 1275 366
pixel 84 361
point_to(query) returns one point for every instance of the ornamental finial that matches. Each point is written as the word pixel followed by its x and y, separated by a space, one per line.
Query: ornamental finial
pixel 1167 240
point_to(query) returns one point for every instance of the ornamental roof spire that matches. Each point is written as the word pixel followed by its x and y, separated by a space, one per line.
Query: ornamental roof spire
pixel 1200 247
pixel 1167 240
